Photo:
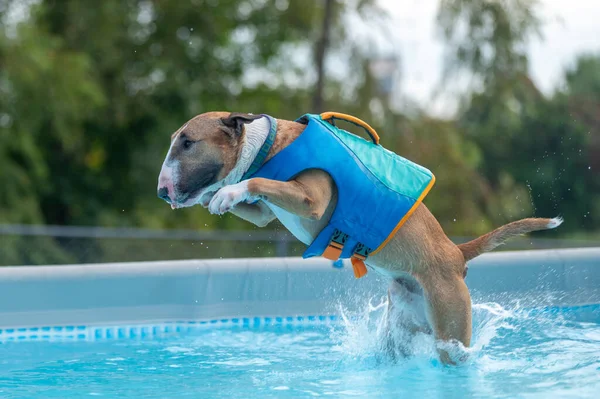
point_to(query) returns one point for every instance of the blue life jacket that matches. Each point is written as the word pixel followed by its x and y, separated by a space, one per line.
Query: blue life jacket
pixel 377 189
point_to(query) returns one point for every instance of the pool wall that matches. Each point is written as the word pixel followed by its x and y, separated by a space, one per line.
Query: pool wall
pixel 87 298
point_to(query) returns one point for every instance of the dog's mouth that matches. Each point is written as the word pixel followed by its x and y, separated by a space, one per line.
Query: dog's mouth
pixel 203 190
pixel 203 198
pixel 179 201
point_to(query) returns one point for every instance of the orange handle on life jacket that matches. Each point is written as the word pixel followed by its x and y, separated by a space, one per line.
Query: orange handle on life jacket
pixel 330 116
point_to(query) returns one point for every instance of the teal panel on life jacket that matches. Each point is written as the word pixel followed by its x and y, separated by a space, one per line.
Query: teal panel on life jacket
pixel 397 173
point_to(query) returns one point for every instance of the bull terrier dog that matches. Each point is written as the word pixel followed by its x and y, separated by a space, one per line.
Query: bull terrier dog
pixel 333 194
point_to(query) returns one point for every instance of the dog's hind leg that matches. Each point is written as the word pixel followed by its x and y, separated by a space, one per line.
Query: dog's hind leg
pixel 449 309
pixel 405 316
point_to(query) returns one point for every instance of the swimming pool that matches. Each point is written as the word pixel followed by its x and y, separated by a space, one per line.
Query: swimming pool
pixel 290 328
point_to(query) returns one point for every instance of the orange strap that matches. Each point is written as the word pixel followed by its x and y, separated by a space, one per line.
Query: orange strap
pixel 359 267
pixel 330 116
pixel 333 251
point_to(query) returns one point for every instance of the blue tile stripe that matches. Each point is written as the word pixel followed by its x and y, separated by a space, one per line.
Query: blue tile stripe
pixel 141 331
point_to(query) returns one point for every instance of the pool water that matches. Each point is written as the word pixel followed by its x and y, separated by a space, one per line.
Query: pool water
pixel 515 353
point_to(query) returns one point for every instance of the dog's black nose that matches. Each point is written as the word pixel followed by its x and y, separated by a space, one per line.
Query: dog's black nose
pixel 163 193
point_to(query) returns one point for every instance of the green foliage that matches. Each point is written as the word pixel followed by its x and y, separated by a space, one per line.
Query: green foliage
pixel 91 91
pixel 584 79
pixel 526 139
pixel 488 37
pixel 544 144
pixel 93 94
pixel 463 201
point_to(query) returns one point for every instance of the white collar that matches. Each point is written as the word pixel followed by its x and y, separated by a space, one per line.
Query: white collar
pixel 255 135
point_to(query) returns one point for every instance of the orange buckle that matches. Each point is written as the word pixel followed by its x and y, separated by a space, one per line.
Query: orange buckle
pixel 359 267
pixel 333 251
pixel 359 256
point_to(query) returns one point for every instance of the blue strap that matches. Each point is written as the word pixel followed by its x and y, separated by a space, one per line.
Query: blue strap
pixel 264 150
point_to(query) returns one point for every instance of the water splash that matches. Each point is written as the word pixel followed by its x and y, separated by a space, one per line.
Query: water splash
pixel 365 335
pixel 358 338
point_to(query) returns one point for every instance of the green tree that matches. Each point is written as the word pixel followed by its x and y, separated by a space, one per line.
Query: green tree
pixel 488 38
pixel 526 139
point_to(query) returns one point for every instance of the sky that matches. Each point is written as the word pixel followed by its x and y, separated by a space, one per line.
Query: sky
pixel 570 28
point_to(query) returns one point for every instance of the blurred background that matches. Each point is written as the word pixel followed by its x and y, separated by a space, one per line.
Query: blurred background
pixel 499 99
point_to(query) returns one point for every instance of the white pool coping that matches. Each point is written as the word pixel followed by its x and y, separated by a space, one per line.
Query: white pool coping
pixel 190 294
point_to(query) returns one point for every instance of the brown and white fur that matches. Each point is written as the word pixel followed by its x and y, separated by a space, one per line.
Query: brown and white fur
pixel 209 155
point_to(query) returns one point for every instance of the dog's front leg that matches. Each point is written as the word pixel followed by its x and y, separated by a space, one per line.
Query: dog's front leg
pixel 306 196
pixel 258 214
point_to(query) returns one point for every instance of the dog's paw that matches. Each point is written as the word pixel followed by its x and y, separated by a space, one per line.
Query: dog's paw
pixel 228 197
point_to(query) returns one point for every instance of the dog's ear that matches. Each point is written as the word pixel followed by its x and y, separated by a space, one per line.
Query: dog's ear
pixel 235 122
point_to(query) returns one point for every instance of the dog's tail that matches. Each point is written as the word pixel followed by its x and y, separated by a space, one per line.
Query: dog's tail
pixel 491 240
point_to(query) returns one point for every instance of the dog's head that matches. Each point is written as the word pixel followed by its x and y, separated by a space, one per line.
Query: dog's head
pixel 203 152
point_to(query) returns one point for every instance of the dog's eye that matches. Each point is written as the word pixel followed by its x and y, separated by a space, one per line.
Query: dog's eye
pixel 187 144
